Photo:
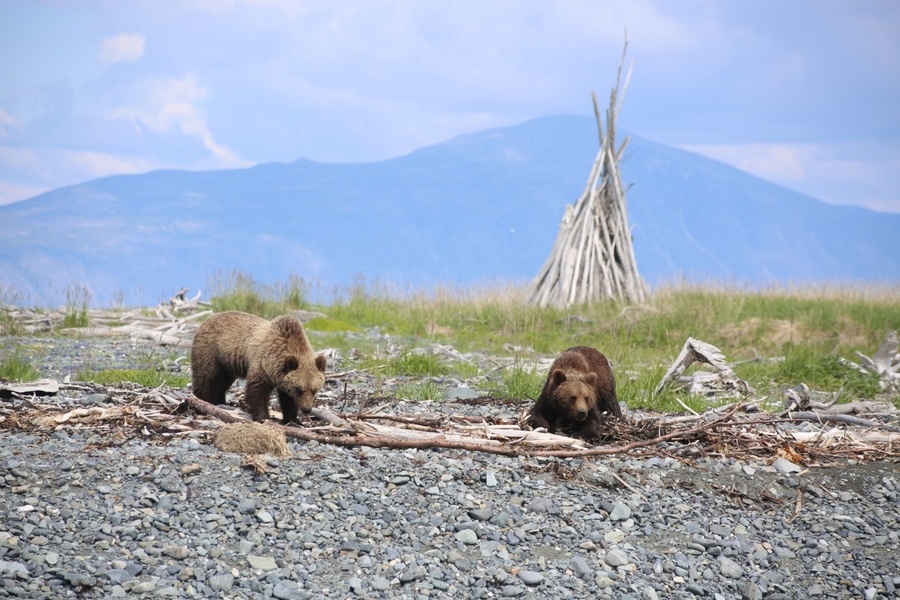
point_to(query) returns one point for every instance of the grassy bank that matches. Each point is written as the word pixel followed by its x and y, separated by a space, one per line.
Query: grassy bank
pixel 779 337
pixel 803 330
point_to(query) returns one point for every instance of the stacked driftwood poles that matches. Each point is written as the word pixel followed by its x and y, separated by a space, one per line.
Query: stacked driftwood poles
pixel 592 258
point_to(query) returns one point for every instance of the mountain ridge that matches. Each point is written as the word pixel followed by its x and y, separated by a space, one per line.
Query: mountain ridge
pixel 480 207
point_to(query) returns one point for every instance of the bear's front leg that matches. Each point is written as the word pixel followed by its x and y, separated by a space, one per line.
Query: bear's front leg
pixel 592 427
pixel 256 395
pixel 537 420
pixel 288 407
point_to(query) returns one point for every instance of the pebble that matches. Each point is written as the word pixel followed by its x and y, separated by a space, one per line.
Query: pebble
pixel 530 578
pixel 151 516
pixel 616 558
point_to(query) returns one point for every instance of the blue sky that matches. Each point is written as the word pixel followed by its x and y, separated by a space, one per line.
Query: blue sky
pixel 804 93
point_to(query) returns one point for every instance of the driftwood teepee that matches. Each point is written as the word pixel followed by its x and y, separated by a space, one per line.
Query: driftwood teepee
pixel 592 258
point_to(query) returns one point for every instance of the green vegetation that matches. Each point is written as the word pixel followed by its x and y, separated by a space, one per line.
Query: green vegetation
pixel 326 324
pixel 238 291
pixel 149 378
pixel 16 368
pixel 78 300
pixel 807 329
pixel 425 390
pixel 777 337
pixel 518 381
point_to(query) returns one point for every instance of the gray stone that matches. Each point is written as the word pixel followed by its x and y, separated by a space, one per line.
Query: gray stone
pixel 380 584
pixel 620 512
pixel 460 393
pixel 467 536
pixel 262 563
pixel 783 465
pixel 729 568
pixel 530 578
pixel 580 567
pixel 616 558
pixel 540 504
pixel 286 589
pixel 264 516
pixel 490 479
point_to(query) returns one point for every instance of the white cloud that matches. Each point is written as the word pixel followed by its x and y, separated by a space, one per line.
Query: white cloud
pixel 781 163
pixel 848 173
pixel 7 121
pixel 174 107
pixel 291 8
pixel 125 47
pixel 13 192
pixel 32 171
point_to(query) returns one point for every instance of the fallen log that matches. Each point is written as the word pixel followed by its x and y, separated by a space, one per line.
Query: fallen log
pixel 442 440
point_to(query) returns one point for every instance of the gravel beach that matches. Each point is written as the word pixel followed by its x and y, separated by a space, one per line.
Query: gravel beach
pixel 149 516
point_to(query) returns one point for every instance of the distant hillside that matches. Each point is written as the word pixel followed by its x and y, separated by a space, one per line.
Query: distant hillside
pixel 481 207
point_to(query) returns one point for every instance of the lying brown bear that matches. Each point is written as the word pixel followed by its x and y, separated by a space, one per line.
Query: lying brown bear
pixel 580 389
pixel 269 355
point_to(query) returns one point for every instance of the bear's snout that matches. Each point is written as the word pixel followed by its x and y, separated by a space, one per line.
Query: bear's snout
pixel 581 415
pixel 306 409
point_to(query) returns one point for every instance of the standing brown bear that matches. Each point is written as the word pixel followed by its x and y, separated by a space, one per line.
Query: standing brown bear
pixel 579 390
pixel 269 355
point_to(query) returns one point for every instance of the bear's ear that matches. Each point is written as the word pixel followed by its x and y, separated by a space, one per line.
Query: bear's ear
pixel 591 379
pixel 287 326
pixel 321 362
pixel 558 377
pixel 290 364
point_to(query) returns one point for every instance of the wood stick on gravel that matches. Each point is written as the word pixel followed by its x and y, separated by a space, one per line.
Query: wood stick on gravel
pixel 440 441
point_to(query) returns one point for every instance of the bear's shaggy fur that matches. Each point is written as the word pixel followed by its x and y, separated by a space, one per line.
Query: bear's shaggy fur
pixel 580 389
pixel 269 355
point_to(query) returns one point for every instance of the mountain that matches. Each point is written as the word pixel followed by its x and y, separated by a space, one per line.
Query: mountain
pixel 478 208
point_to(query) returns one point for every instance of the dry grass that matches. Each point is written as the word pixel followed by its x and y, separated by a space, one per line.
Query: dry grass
pixel 252 438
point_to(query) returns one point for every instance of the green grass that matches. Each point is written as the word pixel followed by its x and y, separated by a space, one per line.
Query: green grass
pixel 78 300
pixel 16 368
pixel 808 328
pixel 149 378
pixel 327 324
pixel 239 291
pixel 424 390
pixel 517 381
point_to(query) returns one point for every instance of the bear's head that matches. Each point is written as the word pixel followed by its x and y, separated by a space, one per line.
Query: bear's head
pixel 573 395
pixel 301 379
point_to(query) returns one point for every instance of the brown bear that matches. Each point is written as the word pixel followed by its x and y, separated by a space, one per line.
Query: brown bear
pixel 580 389
pixel 269 355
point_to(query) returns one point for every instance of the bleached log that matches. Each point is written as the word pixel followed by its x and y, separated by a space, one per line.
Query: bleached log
pixel 885 363
pixel 39 387
pixel 723 381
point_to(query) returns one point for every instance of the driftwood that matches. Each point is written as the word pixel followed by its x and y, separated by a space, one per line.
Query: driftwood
pixel 593 258
pixel 722 383
pixel 518 442
pixel 165 326
pixel 733 431
pixel 41 387
pixel 885 363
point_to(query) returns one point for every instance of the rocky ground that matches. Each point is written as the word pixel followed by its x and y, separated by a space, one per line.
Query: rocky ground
pixel 138 514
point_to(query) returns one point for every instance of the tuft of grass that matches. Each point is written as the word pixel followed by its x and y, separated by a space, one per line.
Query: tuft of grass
pixel 149 378
pixel 239 291
pixel 518 381
pixel 413 362
pixel 10 297
pixel 420 391
pixel 16 368
pixel 78 300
